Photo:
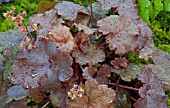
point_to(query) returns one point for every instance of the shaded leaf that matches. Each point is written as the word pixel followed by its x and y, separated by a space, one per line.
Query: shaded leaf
pixel 37 95
pixel 123 33
pixel 97 13
pixel 18 104
pixel 80 102
pixel 88 53
pixel 119 63
pixel 86 29
pixel 95 96
pixel 69 10
pixel 96 10
pixel 3 93
pixel 16 92
pixel 101 75
pixel 44 21
pixel 130 73
pixel 58 98
pixel 122 99
pixel 82 18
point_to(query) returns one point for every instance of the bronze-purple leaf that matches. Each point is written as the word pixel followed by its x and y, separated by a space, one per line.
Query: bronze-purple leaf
pixel 119 63
pixel 122 33
pixel 44 66
pixel 101 75
pixel 45 22
pixel 94 96
pixel 88 53
pixel 69 10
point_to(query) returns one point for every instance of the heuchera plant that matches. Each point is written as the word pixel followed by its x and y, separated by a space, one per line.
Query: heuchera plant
pixel 77 57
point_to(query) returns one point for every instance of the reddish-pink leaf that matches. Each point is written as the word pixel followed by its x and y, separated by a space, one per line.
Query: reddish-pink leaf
pixel 119 63
pixel 63 37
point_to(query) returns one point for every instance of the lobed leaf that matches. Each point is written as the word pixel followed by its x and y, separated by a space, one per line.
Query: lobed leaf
pixel 147 51
pixel 122 99
pixel 18 104
pixel 123 33
pixel 152 100
pixel 58 98
pixel 42 66
pixel 119 63
pixel 16 92
pixel 162 60
pixel 69 10
pixel 86 29
pixel 88 53
pixel 152 93
pixel 124 7
pixel 130 73
pixel 101 75
pixel 44 21
pixel 95 96
pixel 63 37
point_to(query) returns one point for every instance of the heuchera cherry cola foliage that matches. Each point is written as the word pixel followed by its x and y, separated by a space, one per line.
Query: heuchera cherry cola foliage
pixel 80 55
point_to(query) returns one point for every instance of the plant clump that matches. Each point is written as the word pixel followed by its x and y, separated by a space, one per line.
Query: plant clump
pixel 86 63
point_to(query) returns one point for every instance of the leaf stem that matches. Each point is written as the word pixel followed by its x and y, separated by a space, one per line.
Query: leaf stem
pixel 122 86
pixel 45 104
pixel 133 98
pixel 91 12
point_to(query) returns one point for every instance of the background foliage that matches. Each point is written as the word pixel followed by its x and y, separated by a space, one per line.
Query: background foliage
pixel 157 14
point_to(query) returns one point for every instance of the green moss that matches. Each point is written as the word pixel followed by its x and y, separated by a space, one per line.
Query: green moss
pixel 161 29
pixel 134 58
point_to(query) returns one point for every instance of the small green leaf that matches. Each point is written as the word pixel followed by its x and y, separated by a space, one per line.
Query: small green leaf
pixel 143 9
pixel 167 5
pixel 154 8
